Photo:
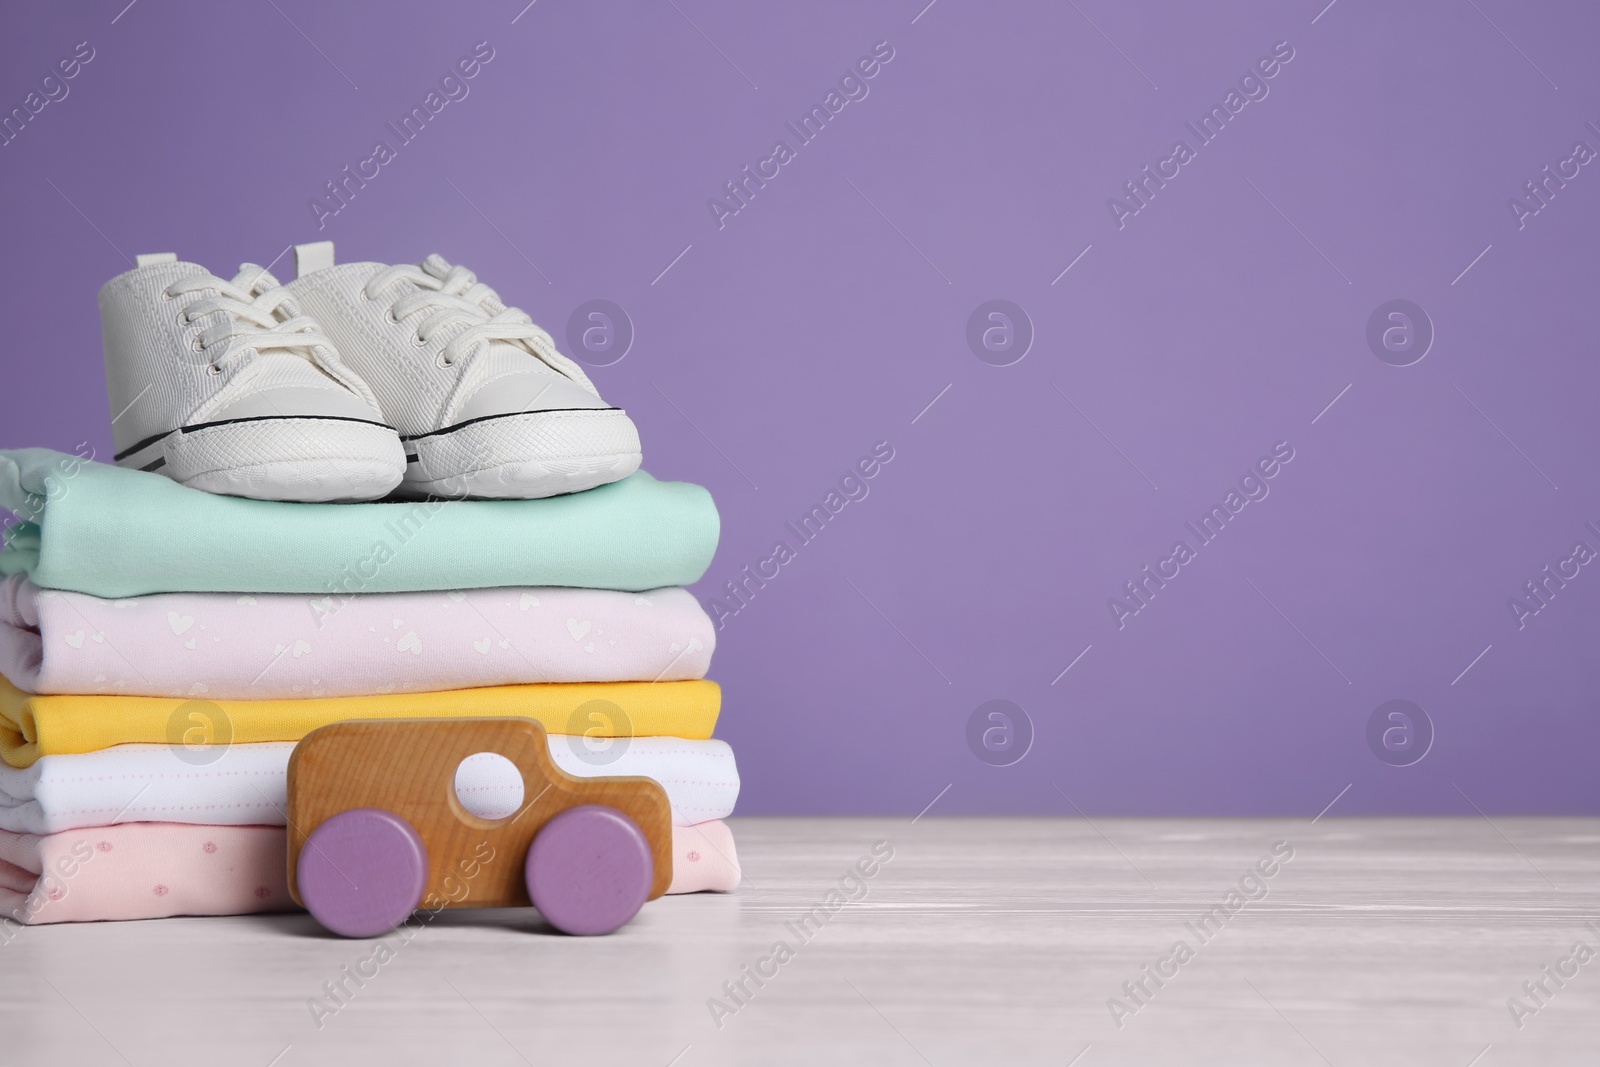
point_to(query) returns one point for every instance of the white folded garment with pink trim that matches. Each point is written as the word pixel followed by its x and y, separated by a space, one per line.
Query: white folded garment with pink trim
pixel 275 646
pixel 246 784
pixel 155 870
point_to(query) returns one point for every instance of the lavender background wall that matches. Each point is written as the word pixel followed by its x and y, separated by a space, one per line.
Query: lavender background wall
pixel 774 350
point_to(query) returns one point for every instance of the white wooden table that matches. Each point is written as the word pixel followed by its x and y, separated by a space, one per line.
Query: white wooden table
pixel 980 942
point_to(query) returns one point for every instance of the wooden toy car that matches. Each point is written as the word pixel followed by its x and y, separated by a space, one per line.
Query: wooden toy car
pixel 376 830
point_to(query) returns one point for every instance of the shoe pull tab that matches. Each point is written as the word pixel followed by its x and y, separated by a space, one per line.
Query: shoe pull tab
pixel 311 257
pixel 150 259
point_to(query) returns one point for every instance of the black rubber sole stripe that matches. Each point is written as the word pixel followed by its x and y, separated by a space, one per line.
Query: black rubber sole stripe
pixel 141 446
pixel 148 441
pixel 487 418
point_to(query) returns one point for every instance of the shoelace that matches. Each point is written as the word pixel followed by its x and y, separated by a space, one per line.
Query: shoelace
pixel 453 295
pixel 251 324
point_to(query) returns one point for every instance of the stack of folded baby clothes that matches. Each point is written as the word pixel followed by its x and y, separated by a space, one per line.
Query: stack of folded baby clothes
pixel 172 625
pixel 163 648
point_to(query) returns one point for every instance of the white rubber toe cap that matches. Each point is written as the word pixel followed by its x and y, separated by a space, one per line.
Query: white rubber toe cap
pixel 304 459
pixel 527 391
pixel 528 455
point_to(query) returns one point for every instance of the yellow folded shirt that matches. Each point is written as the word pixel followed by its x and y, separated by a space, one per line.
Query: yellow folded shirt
pixel 32 726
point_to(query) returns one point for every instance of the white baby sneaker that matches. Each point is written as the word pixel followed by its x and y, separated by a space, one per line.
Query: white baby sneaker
pixel 485 404
pixel 227 387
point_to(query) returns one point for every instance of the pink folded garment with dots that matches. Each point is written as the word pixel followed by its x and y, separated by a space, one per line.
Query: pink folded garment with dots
pixel 262 646
pixel 703 859
pixel 153 870
pixel 142 870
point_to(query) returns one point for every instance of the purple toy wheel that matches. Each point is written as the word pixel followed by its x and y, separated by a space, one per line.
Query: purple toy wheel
pixel 589 870
pixel 362 871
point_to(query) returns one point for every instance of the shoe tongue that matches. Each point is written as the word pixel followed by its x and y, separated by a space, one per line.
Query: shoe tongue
pixel 254 280
pixel 501 357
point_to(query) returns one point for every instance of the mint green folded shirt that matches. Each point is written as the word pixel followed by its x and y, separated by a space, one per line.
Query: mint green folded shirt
pixel 115 532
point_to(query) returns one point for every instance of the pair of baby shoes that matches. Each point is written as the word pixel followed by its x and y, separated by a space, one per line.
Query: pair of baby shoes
pixel 353 382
